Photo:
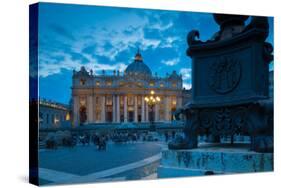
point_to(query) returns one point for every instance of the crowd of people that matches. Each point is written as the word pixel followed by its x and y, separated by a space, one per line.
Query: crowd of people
pixel 124 137
pixel 101 139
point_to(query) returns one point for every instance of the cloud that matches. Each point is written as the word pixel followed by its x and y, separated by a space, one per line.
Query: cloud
pixel 50 66
pixel 130 32
pixel 186 73
pixel 169 42
pixel 96 67
pixel 101 44
pixel 61 31
pixel 161 27
pixel 186 85
pixel 171 62
pixel 110 44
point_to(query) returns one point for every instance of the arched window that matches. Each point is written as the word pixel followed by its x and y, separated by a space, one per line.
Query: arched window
pixel 151 84
pixel 82 81
pixel 108 83
pixel 83 114
pixel 67 117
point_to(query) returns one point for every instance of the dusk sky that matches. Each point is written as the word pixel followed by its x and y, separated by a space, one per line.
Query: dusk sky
pixel 71 36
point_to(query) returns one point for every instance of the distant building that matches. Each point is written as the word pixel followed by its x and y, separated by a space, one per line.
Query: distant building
pixel 53 115
pixel 120 97
pixel 186 96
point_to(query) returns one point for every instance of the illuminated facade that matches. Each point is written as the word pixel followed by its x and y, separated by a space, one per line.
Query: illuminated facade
pixel 117 98
pixel 53 115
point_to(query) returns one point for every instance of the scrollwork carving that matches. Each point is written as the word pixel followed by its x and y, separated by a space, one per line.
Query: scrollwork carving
pixel 239 119
pixel 258 22
pixel 223 121
pixel 206 121
pixel 191 37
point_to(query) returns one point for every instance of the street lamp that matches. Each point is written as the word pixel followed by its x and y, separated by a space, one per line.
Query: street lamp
pixel 151 101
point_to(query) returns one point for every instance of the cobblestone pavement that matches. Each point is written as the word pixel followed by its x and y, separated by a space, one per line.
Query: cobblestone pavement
pixel 87 164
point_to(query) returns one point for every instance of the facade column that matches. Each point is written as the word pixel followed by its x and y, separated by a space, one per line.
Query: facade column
pixel 146 112
pixel 114 108
pixel 167 108
pixel 118 109
pixel 125 109
pixel 136 109
pixel 179 102
pixel 90 109
pixel 103 109
pixel 142 109
pixel 94 109
pixel 75 111
pixel 156 112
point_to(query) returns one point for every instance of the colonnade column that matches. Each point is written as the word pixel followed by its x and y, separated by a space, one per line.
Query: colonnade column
pixel 75 111
pixel 136 109
pixel 142 109
pixel 146 112
pixel 94 109
pixel 90 118
pixel 118 109
pixel 156 112
pixel 113 108
pixel 103 108
pixel 125 109
pixel 167 108
pixel 179 102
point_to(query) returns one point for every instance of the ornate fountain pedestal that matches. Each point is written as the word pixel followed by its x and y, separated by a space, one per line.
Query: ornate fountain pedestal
pixel 230 76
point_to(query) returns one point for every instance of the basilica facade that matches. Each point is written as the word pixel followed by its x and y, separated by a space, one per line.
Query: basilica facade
pixel 120 97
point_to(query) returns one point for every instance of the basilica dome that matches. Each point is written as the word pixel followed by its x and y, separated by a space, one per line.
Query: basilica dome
pixel 137 67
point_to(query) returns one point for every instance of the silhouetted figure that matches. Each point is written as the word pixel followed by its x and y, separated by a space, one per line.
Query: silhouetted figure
pixel 232 140
pixel 82 139
pixel 166 136
pixel 102 143
pixel 173 134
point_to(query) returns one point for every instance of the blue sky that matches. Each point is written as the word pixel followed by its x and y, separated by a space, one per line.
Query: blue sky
pixel 108 37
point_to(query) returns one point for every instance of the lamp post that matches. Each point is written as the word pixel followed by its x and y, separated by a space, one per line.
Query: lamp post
pixel 151 101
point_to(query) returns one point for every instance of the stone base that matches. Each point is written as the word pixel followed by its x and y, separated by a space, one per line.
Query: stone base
pixel 211 159
pixel 171 172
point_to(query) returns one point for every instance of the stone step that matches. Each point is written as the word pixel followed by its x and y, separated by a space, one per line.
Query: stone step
pixel 226 160
pixel 172 172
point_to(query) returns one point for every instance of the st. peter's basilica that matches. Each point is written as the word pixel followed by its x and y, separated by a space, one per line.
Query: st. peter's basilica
pixel 117 98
